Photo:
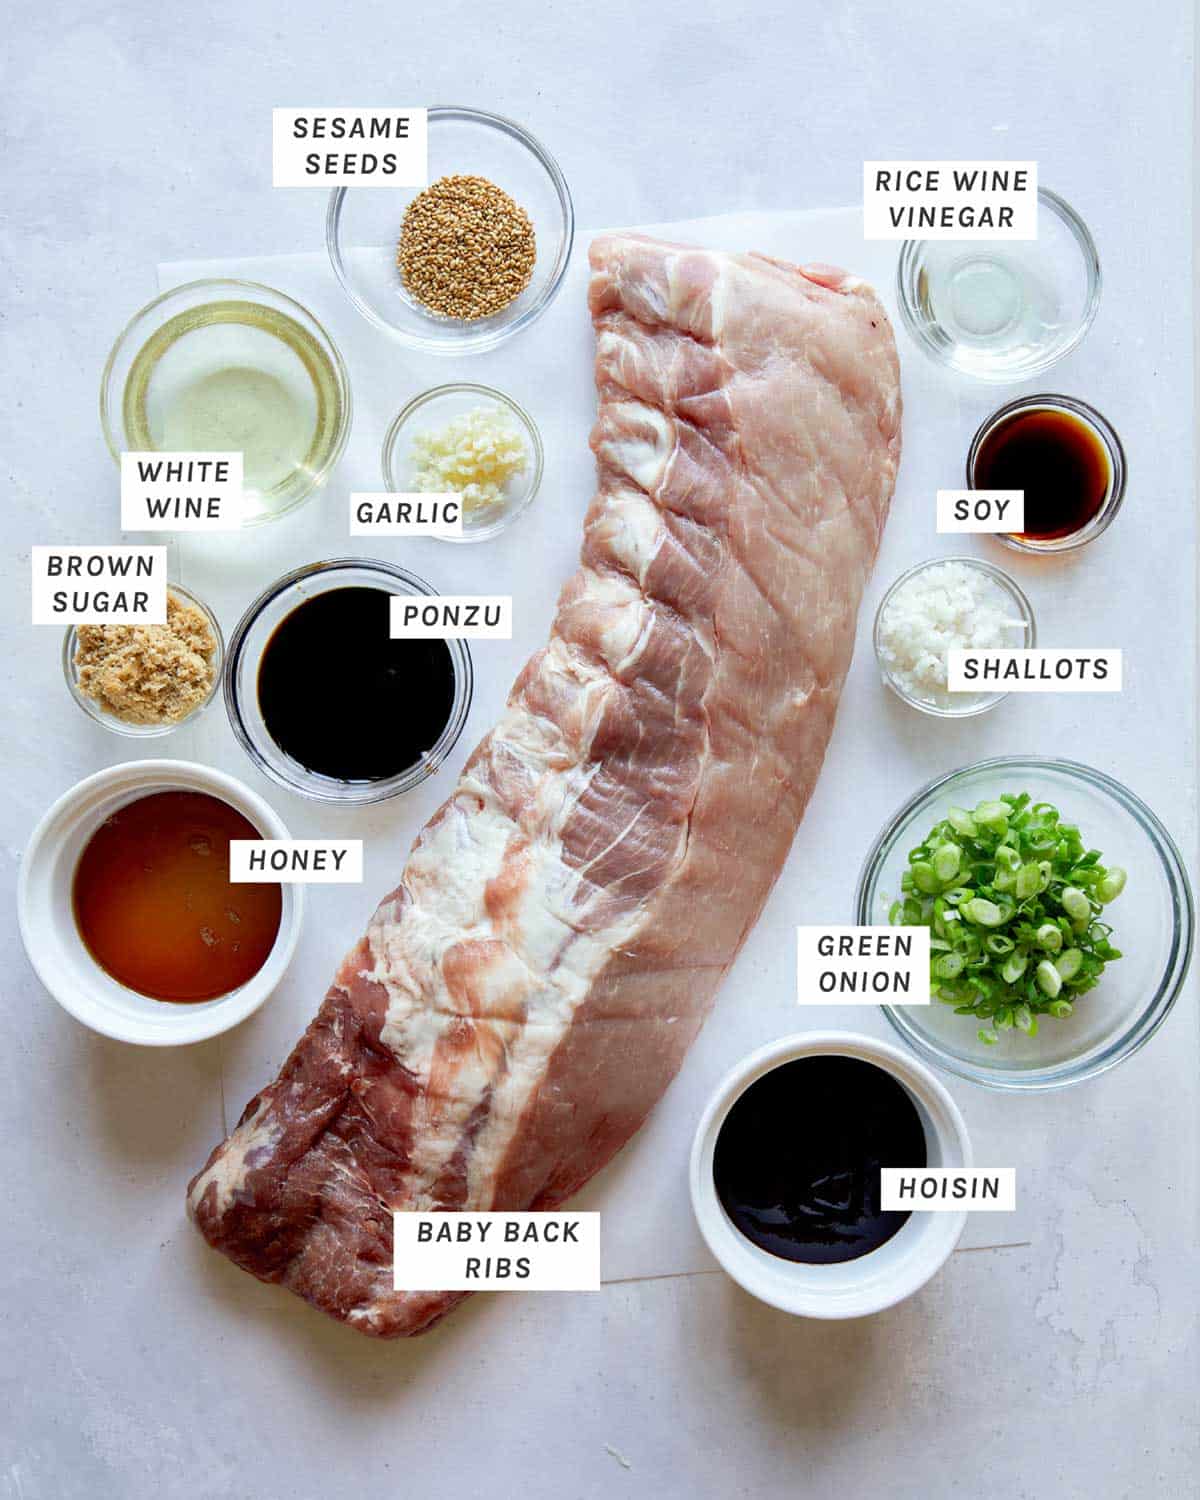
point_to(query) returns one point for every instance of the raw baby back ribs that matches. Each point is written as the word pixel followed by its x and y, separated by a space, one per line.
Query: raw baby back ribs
pixel 523 997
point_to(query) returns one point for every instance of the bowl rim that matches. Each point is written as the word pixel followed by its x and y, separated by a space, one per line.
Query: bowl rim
pixel 1082 235
pixel 1143 1024
pixel 486 339
pixel 1118 465
pixel 148 731
pixel 1005 581
pixel 209 283
pixel 370 792
pixel 725 1242
pixel 490 393
pixel 189 1023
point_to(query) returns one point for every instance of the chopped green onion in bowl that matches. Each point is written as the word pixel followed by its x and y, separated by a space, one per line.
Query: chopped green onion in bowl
pixel 1015 902
pixel 1154 921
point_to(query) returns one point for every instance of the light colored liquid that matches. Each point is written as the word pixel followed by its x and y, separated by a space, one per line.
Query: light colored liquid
pixel 242 408
pixel 238 377
pixel 989 302
pixel 986 298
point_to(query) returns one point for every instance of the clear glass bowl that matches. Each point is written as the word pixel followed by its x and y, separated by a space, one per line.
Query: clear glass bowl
pixel 1152 923
pixel 972 703
pixel 1111 443
pixel 246 647
pixel 1003 310
pixel 226 365
pixel 145 731
pixel 362 229
pixel 433 409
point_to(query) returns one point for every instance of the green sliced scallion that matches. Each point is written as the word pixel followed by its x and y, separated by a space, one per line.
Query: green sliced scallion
pixel 983 912
pixel 1014 901
pixel 1110 885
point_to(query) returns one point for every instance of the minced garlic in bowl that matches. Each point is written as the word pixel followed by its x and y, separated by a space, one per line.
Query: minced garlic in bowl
pixel 471 441
pixel 476 455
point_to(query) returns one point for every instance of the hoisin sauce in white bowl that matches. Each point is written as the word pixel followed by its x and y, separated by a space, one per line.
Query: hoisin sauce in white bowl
pixel 750 1211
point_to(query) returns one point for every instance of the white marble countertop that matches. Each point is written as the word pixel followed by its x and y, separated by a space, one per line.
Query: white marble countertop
pixel 1058 1361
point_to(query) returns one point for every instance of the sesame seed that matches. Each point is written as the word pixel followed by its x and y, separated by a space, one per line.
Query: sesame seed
pixel 466 248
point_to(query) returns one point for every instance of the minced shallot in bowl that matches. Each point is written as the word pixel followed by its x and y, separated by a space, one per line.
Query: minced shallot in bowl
pixel 942 607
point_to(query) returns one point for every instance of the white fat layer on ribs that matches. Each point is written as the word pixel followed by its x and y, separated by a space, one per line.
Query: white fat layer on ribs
pixel 677 295
pixel 551 1008
pixel 633 528
pixel 625 619
pixel 228 1172
pixel 716 299
pixel 638 441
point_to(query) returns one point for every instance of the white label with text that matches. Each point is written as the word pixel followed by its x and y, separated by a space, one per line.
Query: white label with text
pixel 980 510
pixel 296 861
pixel 1015 669
pixel 446 617
pixel 401 514
pixel 950 200
pixel 181 491
pixel 496 1252
pixel 949 1189
pixel 99 585
pixel 350 147
pixel 862 965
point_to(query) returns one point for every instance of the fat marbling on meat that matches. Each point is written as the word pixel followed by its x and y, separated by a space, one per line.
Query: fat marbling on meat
pixel 523 997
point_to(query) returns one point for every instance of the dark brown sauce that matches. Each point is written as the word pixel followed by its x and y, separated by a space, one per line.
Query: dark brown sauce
pixel 155 906
pixel 798 1160
pixel 341 697
pixel 1059 461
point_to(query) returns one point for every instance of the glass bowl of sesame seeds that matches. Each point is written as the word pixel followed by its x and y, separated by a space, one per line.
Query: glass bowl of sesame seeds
pixel 463 264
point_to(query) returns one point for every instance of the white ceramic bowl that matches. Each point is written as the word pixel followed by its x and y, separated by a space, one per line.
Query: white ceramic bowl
pixel 52 941
pixel 853 1288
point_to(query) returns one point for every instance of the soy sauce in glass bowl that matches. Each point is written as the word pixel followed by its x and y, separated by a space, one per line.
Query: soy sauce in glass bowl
pixel 1064 456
